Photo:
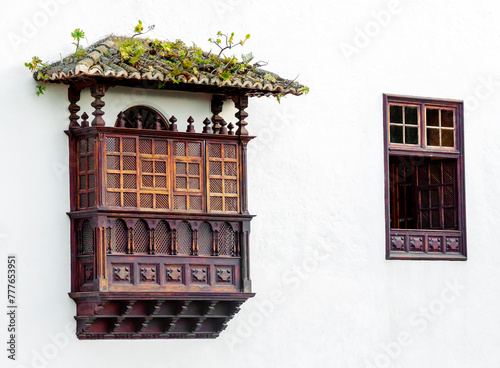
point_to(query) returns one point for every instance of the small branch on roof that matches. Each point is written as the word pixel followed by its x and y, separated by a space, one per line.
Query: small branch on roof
pixel 290 82
pixel 228 41
pixel 139 29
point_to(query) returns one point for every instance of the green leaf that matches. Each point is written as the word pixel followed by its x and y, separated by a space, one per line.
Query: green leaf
pixel 225 75
pixel 78 34
pixel 41 90
pixel 139 28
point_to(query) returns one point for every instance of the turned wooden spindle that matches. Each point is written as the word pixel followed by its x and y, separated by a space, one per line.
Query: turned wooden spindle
pixel 157 122
pixel 216 106
pixel 173 126
pixel 97 91
pixel 190 128
pixel 223 129
pixel 73 97
pixel 138 121
pixel 230 126
pixel 85 123
pixel 241 103
pixel 121 120
pixel 206 128
pixel 216 128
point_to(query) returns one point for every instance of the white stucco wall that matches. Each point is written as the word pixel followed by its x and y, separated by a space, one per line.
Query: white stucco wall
pixel 326 296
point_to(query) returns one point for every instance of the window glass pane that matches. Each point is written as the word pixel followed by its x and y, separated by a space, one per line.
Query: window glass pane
pixel 396 114
pixel 411 135
pixel 411 115
pixel 432 118
pixel 447 118
pixel 432 137
pixel 396 134
pixel 447 138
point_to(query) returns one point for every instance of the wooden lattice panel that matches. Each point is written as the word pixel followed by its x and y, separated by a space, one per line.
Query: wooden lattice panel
pixel 87 238
pixel 223 177
pixel 86 173
pixel 227 240
pixel 137 172
pixel 119 237
pixel 188 176
pixel 162 238
pixel 204 241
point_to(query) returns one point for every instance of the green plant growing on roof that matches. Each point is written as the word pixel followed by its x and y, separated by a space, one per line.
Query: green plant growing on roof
pixel 176 59
pixel 78 35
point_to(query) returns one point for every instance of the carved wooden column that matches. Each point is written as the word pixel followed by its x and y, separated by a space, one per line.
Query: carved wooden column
pixel 73 97
pixel 97 91
pixel 195 242
pixel 243 180
pixel 100 280
pixel 245 256
pixel 152 249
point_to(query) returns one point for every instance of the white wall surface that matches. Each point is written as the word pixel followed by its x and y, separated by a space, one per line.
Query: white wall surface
pixel 326 296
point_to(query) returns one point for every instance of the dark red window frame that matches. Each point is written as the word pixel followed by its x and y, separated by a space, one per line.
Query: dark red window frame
pixel 430 219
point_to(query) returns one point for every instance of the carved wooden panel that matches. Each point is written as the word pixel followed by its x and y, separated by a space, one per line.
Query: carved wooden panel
pixel 419 243
pixel 122 272
pixel 148 273
pixel 173 273
pixel 224 274
pixel 199 274
pixel 88 272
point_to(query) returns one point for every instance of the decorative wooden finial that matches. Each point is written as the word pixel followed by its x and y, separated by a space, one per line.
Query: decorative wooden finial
pixel 190 128
pixel 230 127
pixel 138 121
pixel 206 128
pixel 157 122
pixel 173 126
pixel 97 91
pixel 121 121
pixel 85 123
pixel 223 129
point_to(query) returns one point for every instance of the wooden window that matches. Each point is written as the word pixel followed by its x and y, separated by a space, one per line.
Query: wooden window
pixel 86 173
pixel 424 160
